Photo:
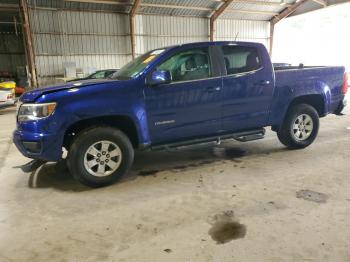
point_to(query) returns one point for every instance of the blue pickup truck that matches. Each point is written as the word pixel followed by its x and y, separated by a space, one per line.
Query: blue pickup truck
pixel 171 97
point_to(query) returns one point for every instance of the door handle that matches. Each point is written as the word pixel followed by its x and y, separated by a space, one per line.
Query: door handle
pixel 264 82
pixel 213 89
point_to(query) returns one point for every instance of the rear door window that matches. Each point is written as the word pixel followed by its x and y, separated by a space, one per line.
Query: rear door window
pixel 241 59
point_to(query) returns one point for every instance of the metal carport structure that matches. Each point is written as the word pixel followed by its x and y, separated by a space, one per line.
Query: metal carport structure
pixel 57 30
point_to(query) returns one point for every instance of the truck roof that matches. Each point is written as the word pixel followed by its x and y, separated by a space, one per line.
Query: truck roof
pixel 195 44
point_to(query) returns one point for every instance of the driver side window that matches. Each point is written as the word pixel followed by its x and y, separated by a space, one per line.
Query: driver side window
pixel 188 65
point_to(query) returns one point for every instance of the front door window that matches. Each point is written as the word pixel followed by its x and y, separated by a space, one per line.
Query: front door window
pixel 193 64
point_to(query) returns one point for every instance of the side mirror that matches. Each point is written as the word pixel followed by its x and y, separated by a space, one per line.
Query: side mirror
pixel 159 77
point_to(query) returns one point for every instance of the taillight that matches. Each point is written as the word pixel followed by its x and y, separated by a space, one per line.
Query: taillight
pixel 346 83
pixel 9 96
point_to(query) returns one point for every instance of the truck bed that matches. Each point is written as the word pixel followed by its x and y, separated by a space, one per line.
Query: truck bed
pixel 310 80
pixel 279 68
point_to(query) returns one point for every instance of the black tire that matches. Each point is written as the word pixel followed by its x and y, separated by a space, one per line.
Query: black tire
pixel 61 166
pixel 88 138
pixel 286 133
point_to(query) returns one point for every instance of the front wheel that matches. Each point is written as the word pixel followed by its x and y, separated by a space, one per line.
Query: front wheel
pixel 100 156
pixel 300 127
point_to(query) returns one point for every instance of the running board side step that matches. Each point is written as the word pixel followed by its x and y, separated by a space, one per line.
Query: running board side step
pixel 250 136
pixel 244 136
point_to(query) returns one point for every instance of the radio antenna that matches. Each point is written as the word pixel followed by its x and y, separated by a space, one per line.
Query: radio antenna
pixel 236 36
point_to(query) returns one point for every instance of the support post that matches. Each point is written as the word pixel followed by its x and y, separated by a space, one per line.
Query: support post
pixel 132 14
pixel 216 15
pixel 29 43
pixel 272 29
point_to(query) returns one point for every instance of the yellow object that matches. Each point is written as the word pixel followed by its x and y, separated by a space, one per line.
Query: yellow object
pixel 148 59
pixel 50 108
pixel 8 85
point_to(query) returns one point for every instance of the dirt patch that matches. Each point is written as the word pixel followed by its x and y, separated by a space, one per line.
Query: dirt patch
pixel 313 196
pixel 226 228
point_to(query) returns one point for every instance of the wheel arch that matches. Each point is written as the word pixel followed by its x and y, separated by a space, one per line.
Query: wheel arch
pixel 317 101
pixel 123 123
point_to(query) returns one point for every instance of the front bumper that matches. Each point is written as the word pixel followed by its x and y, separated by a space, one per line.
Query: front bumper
pixel 47 147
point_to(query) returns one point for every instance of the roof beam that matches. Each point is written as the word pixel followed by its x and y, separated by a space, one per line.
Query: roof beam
pixel 133 12
pixel 286 12
pixel 220 10
pixel 321 2
pixel 215 16
pixel 135 8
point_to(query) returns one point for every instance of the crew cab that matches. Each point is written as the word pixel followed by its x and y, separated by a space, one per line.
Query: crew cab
pixel 176 96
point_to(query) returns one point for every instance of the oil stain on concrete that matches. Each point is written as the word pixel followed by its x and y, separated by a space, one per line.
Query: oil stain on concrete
pixel 310 195
pixel 148 172
pixel 226 228
pixel 234 153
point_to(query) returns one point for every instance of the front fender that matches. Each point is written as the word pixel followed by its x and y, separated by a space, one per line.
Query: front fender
pixel 97 102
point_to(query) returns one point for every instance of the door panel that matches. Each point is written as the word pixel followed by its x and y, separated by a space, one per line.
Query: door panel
pixel 183 110
pixel 187 107
pixel 247 89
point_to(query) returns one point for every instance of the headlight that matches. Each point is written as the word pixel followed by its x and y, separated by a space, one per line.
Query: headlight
pixel 29 112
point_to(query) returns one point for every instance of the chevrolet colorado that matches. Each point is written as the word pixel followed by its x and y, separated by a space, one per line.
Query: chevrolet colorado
pixel 171 97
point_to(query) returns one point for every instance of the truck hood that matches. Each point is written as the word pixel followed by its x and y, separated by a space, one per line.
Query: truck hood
pixel 32 95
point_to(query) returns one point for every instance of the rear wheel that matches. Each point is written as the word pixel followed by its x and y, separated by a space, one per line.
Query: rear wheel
pixel 300 126
pixel 100 156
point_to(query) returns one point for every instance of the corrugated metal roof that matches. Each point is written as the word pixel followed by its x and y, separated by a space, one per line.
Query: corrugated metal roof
pixel 256 7
pixel 262 10
pixel 244 16
pixel 83 5
pixel 173 11
pixel 312 6
pixel 192 3
pixel 97 7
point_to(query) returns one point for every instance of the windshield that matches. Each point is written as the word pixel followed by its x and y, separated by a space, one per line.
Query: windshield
pixel 101 74
pixel 137 65
pixel 96 75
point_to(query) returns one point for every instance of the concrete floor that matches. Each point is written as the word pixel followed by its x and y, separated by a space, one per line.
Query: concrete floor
pixel 185 205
